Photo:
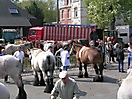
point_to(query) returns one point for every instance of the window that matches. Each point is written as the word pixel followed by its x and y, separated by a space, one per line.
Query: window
pixel 75 12
pixel 13 10
pixel 123 34
pixel 62 14
pixel 69 14
pixel 75 0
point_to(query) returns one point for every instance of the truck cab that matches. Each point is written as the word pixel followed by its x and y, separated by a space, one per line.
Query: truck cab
pixel 9 35
pixel 35 33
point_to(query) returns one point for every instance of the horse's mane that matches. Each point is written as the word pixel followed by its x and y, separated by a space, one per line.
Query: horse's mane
pixel 79 45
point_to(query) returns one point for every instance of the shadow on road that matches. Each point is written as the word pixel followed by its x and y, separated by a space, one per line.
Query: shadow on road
pixel 83 93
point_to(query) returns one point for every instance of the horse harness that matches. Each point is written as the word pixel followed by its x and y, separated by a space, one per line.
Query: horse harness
pixel 82 49
pixel 38 52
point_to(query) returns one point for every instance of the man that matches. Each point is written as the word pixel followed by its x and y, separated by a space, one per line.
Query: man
pixel 20 55
pixel 129 54
pixel 65 87
pixel 102 49
pixel 65 58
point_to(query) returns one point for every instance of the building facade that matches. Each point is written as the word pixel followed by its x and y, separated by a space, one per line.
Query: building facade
pixel 72 12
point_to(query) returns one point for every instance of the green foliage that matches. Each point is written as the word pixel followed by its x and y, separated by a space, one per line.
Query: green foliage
pixel 41 9
pixel 101 12
pixel 125 12
pixel 34 10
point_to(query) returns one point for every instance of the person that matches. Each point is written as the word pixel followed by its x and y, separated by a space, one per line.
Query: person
pixel 59 50
pixel 120 58
pixel 65 59
pixel 50 49
pixel 102 48
pixel 65 87
pixel 129 54
pixel 20 55
pixel 3 52
pixel 109 48
pixel 92 44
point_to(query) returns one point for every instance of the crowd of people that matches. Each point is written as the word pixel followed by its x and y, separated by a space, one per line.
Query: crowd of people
pixel 66 87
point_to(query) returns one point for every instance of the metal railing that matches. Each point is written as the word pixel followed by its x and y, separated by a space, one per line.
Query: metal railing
pixel 27 65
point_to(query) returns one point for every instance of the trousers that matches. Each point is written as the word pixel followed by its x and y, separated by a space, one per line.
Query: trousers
pixel 129 60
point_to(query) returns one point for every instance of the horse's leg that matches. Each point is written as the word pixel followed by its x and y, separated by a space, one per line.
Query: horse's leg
pixel 49 80
pixel 101 67
pixel 42 82
pixel 96 78
pixel 86 73
pixel 99 73
pixel 80 70
pixel 36 79
pixel 22 93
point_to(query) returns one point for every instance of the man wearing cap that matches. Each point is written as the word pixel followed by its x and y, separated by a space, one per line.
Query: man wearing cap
pixel 65 87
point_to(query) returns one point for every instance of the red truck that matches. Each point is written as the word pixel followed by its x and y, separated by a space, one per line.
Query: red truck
pixel 61 32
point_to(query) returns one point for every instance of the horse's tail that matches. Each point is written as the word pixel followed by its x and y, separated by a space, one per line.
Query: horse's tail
pixel 48 57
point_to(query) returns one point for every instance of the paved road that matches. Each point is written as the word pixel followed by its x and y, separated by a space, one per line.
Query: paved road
pixel 89 89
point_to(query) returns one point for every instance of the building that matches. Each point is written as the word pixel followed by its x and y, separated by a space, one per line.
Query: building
pixel 72 12
pixel 13 17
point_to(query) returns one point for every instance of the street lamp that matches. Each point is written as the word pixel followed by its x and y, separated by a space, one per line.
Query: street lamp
pixel 57 12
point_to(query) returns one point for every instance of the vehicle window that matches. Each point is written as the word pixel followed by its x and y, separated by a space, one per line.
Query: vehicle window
pixel 123 34
pixel 32 32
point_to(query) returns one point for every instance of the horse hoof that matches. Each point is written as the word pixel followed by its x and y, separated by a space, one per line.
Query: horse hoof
pixel 35 84
pixel 97 79
pixel 42 83
pixel 48 88
pixel 86 75
pixel 80 76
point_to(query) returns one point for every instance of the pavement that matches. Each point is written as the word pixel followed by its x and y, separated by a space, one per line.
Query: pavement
pixel 89 89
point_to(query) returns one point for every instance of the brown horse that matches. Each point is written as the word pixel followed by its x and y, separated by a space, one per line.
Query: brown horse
pixel 87 56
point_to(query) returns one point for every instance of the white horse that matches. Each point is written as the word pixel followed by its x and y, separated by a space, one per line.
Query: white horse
pixel 11 48
pixel 11 66
pixel 125 90
pixel 4 92
pixel 43 62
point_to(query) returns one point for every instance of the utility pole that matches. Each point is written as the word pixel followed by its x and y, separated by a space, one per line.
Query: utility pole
pixel 57 12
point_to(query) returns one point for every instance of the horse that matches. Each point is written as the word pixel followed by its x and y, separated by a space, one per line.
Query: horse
pixel 11 48
pixel 88 55
pixel 43 62
pixel 4 92
pixel 11 66
pixel 124 91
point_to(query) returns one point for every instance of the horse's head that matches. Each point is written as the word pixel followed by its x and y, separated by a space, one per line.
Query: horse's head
pixel 72 50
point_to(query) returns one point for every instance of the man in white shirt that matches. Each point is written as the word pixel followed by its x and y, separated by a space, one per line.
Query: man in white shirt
pixel 129 54
pixel 20 55
pixel 65 58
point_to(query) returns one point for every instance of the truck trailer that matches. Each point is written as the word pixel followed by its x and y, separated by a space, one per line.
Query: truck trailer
pixel 62 32
pixel 125 32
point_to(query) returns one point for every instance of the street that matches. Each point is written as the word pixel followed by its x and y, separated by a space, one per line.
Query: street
pixel 89 89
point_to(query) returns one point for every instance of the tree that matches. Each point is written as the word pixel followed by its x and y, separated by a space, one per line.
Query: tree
pixel 125 11
pixel 34 10
pixel 45 7
pixel 101 12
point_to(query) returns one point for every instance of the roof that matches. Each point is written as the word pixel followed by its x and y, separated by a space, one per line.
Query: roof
pixel 7 18
pixel 36 28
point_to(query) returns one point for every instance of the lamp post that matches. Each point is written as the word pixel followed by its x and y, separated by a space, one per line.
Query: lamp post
pixel 57 12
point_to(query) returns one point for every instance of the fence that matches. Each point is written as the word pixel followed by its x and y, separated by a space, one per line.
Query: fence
pixel 27 65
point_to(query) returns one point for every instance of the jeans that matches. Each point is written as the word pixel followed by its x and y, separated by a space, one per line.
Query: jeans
pixel 129 60
pixel 121 62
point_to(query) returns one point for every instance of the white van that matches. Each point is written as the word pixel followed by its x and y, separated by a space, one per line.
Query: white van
pixel 125 32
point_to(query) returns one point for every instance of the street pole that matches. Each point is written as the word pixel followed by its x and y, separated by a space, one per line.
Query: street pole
pixel 57 12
